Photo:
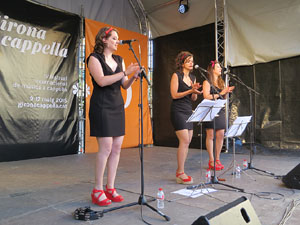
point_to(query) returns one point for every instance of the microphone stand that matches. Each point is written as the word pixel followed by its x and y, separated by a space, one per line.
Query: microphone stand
pixel 214 179
pixel 252 145
pixel 142 200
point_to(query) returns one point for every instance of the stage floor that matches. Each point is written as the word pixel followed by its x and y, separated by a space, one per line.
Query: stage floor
pixel 47 191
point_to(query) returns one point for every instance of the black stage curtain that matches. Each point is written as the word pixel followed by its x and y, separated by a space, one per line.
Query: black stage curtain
pixel 38 77
pixel 275 109
pixel 200 42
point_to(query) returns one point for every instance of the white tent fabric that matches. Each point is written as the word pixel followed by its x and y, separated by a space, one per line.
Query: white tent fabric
pixel 262 31
pixel 167 20
pixel 258 30
pixel 114 12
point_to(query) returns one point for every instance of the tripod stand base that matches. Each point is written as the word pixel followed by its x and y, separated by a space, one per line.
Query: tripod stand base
pixel 214 180
pixel 250 167
pixel 87 213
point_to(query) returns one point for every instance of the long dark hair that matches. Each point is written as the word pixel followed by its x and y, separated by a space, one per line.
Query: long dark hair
pixel 180 59
pixel 220 82
pixel 104 32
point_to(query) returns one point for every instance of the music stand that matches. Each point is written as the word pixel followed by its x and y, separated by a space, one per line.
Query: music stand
pixel 236 130
pixel 206 111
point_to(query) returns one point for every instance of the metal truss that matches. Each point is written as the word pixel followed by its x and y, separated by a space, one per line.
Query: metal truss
pixel 221 48
pixel 81 89
pixel 221 31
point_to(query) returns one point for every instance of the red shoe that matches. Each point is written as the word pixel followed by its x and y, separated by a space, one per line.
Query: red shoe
pixel 95 200
pixel 179 180
pixel 220 164
pixel 110 192
pixel 211 165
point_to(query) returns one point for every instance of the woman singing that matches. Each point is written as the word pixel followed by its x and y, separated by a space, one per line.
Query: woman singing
pixel 107 117
pixel 214 76
pixel 184 90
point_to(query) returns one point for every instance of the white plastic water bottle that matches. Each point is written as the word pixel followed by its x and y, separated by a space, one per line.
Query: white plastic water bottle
pixel 160 199
pixel 208 176
pixel 245 164
pixel 238 171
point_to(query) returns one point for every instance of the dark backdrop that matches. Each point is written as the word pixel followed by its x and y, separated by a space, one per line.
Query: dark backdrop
pixel 275 109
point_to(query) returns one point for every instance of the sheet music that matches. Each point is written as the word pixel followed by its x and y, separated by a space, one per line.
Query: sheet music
pixel 238 126
pixel 206 110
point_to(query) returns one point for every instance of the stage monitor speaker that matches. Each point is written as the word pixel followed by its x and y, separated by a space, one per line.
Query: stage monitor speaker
pixel 238 212
pixel 292 179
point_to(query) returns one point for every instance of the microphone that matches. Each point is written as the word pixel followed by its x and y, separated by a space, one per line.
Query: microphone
pixel 197 67
pixel 230 74
pixel 226 72
pixel 122 42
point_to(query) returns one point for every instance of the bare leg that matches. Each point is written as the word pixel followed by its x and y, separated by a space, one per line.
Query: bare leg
pixel 219 143
pixel 209 143
pixel 104 150
pixel 184 137
pixel 113 162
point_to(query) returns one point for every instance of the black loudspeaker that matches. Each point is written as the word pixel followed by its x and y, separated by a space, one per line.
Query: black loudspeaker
pixel 292 179
pixel 238 212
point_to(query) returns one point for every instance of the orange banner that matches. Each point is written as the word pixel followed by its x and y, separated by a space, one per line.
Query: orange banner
pixel 130 96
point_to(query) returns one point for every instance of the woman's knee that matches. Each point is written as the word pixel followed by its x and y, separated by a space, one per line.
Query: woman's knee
pixel 220 134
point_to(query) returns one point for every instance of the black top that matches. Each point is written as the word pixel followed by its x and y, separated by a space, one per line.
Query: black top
pixel 185 103
pixel 108 96
pixel 220 121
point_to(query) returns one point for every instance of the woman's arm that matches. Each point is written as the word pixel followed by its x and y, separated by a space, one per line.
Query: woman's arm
pixel 96 71
pixel 174 88
pixel 206 91
pixel 126 83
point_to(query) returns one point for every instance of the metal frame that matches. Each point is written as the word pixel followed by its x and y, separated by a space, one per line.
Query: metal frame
pixel 221 30
pixel 81 88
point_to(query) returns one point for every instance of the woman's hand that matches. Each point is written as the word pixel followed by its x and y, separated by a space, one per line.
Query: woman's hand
pixel 227 90
pixel 195 87
pixel 132 68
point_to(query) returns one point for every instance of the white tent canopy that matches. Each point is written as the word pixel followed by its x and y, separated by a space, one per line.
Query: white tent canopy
pixel 258 31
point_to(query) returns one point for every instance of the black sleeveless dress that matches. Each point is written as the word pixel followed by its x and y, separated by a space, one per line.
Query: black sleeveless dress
pixel 220 118
pixel 181 109
pixel 107 116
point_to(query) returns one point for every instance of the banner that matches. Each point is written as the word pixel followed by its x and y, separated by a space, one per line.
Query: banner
pixel 38 67
pixel 130 96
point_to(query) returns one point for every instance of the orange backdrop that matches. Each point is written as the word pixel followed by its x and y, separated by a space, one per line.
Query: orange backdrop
pixel 131 138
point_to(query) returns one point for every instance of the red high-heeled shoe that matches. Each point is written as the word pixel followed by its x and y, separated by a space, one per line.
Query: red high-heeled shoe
pixel 220 164
pixel 179 180
pixel 110 192
pixel 95 200
pixel 211 165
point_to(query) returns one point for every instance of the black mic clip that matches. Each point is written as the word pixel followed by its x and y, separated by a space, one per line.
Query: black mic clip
pixel 122 42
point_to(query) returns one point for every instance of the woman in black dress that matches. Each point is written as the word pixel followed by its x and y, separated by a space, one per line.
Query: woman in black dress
pixel 107 118
pixel 214 76
pixel 184 90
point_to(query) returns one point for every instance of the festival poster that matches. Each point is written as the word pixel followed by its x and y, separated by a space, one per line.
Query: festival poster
pixel 38 68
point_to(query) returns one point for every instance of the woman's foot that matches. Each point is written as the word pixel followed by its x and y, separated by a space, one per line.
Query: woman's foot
pixel 220 164
pixel 112 194
pixel 182 178
pixel 99 198
pixel 211 165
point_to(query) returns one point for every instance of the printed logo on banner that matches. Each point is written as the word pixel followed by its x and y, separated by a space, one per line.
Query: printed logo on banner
pixel 21 42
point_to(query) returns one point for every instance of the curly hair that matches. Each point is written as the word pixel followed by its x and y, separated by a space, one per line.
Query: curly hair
pixel 104 32
pixel 220 82
pixel 180 59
